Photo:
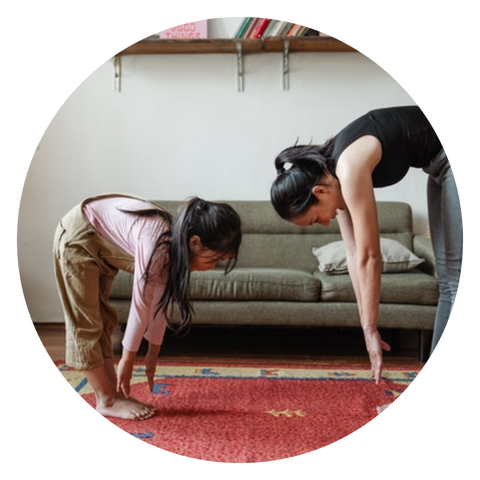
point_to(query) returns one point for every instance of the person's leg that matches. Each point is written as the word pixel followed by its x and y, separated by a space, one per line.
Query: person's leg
pixel 453 234
pixel 436 232
pixel 110 322
pixel 447 238
pixel 81 284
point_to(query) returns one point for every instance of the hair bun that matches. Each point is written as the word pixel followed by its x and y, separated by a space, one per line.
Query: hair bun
pixel 201 204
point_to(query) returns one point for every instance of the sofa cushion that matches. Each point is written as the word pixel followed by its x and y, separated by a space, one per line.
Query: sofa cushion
pixel 240 284
pixel 414 287
pixel 255 284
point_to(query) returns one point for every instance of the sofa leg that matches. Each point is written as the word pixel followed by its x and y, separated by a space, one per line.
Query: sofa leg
pixel 424 345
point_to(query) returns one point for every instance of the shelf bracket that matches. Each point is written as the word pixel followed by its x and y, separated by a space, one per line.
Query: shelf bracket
pixel 286 65
pixel 240 86
pixel 117 67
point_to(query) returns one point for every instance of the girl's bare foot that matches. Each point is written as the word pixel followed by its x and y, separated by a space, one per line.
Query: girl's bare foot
pixel 125 408
pixel 137 401
pixel 110 403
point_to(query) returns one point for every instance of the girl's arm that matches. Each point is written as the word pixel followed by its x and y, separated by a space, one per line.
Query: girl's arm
pixel 151 363
pixel 127 362
pixel 142 319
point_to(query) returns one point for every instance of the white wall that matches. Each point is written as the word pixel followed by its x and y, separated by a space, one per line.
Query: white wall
pixel 179 128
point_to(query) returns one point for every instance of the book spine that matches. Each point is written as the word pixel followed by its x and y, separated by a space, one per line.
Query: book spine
pixel 251 28
pixel 269 29
pixel 291 31
pixel 278 26
pixel 261 27
pixel 243 27
pixel 283 32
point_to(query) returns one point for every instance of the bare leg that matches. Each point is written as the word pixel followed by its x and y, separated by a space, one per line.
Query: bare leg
pixel 111 403
pixel 110 370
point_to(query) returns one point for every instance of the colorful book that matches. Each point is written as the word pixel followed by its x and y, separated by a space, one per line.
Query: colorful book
pixel 286 28
pixel 261 27
pixel 278 27
pixel 270 27
pixel 304 32
pixel 254 27
pixel 243 27
pixel 251 28
pixel 293 32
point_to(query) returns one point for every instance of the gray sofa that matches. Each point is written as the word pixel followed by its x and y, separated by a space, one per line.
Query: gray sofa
pixel 277 281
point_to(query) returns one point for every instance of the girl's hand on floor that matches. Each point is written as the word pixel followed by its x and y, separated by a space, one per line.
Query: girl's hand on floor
pixel 125 371
pixel 151 363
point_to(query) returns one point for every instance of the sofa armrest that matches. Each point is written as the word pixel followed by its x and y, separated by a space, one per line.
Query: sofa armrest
pixel 422 247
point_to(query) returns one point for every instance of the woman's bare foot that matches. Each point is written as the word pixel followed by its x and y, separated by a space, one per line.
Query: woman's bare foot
pixel 125 408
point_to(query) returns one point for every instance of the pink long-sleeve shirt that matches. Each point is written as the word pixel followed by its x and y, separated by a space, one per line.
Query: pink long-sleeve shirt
pixel 136 236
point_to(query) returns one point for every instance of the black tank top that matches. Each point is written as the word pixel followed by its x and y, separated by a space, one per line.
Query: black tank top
pixel 407 139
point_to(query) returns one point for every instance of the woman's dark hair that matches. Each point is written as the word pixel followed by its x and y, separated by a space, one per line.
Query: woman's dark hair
pixel 291 192
pixel 219 227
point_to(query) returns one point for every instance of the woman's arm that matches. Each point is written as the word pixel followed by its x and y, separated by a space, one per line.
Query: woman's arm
pixel 363 248
pixel 359 227
pixel 346 230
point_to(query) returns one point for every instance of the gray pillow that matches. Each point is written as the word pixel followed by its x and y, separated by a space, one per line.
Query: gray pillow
pixel 395 257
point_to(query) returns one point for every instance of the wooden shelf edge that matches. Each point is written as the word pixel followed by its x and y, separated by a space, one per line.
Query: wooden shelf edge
pixel 204 46
pixel 306 44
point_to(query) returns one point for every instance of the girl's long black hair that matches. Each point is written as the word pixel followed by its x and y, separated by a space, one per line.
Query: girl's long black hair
pixel 291 192
pixel 219 227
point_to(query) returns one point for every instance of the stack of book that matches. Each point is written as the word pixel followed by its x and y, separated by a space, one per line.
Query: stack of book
pixel 253 27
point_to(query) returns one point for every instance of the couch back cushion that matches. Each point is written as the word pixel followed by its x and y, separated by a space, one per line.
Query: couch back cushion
pixel 270 242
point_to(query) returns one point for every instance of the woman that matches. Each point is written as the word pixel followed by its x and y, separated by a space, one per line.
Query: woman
pixel 110 232
pixel 337 180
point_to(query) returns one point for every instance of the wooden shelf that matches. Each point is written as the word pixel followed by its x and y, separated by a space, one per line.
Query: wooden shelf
pixel 240 47
pixel 273 44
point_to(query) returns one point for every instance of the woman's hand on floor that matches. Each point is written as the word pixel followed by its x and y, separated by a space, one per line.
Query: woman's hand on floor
pixel 375 347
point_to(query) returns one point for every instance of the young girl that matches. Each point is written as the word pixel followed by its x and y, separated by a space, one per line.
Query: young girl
pixel 110 232
pixel 337 180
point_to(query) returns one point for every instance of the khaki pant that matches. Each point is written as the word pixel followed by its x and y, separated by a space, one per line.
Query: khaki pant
pixel 85 267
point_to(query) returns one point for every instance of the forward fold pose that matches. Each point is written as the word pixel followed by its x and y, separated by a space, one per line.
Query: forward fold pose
pixel 316 184
pixel 110 232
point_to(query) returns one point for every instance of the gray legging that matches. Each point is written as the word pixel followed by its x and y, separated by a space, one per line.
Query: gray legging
pixel 445 219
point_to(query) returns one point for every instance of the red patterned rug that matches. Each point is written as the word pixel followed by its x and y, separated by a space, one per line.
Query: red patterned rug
pixel 233 413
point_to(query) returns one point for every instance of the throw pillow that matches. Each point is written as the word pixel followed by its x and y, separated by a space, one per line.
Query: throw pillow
pixel 332 258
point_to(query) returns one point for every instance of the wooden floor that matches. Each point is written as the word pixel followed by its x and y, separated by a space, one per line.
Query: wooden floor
pixel 259 345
